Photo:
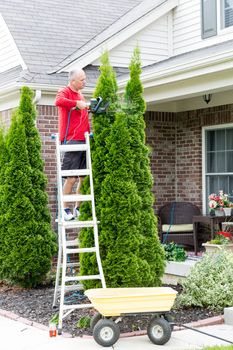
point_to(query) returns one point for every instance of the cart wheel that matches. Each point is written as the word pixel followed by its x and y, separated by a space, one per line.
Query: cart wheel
pixel 159 331
pixel 97 316
pixel 170 320
pixel 106 332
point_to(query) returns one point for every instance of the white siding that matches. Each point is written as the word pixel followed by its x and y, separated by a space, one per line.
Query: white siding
pixel 10 56
pixel 153 43
pixel 187 28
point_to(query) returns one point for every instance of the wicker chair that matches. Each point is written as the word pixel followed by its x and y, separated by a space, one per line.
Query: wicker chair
pixel 175 222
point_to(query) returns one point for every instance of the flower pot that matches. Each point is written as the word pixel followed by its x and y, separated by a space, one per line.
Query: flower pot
pixel 227 211
pixel 219 212
pixel 215 248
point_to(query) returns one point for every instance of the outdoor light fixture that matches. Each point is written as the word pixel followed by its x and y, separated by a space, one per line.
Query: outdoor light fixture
pixel 207 98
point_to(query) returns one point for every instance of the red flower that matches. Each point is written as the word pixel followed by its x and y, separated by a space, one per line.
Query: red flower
pixel 225 234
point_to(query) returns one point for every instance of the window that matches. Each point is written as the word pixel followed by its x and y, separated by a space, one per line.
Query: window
pixel 209 18
pixel 226 13
pixel 216 15
pixel 219 161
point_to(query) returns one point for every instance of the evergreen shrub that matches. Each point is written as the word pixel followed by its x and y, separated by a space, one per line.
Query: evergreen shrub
pixel 150 250
pixel 27 240
pixel 121 204
pixel 106 88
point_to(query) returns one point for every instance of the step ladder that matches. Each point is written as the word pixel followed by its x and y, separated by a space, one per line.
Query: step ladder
pixel 64 282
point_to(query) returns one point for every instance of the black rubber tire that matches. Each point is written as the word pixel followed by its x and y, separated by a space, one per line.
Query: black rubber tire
pixel 170 320
pixel 159 331
pixel 106 332
pixel 97 316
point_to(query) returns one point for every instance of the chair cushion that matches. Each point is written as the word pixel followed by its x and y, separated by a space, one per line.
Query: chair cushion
pixel 178 228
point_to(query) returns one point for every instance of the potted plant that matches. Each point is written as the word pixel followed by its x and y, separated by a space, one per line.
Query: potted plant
pixel 219 204
pixel 222 240
pixel 174 252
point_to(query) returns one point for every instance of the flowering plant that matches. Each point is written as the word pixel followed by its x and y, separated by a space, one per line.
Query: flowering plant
pixel 222 237
pixel 219 201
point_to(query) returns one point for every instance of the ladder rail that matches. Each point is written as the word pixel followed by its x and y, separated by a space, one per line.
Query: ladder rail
pixel 59 182
pixel 60 218
pixel 96 239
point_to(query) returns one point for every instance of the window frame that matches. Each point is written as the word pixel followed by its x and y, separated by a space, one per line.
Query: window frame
pixel 221 30
pixel 204 160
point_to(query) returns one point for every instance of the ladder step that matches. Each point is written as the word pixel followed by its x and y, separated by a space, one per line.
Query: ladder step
pixel 75 172
pixel 73 243
pixel 72 287
pixel 74 264
pixel 79 306
pixel 73 148
pixel 82 278
pixel 78 224
pixel 68 280
pixel 80 250
pixel 76 197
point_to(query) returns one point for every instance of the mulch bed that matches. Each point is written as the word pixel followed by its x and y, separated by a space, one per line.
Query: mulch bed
pixel 36 305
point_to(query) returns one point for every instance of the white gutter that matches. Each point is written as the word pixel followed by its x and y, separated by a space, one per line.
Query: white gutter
pixel 184 70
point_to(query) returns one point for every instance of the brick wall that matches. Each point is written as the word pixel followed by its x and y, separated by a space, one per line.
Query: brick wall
pixel 47 123
pixel 176 159
pixel 176 146
pixel 161 138
pixel 189 158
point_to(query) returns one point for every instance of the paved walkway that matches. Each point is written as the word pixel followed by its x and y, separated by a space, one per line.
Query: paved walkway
pixel 16 335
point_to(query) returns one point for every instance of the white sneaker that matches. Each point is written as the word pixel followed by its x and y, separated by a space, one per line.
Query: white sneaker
pixel 76 213
pixel 68 215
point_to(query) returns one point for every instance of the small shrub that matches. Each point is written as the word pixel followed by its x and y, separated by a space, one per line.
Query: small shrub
pixel 84 322
pixel 210 283
pixel 174 252
pixel 54 319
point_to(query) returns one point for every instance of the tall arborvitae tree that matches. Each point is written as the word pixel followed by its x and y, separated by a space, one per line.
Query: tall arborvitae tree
pixel 3 208
pixel 120 238
pixel 150 249
pixel 3 164
pixel 107 89
pixel 29 243
pixel 39 195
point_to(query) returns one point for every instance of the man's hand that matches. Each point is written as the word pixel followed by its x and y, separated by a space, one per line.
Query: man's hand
pixel 81 104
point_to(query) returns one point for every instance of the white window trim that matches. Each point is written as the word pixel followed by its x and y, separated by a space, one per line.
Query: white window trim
pixel 219 29
pixel 212 127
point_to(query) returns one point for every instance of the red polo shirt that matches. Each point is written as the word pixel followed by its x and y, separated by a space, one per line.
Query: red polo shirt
pixel 79 122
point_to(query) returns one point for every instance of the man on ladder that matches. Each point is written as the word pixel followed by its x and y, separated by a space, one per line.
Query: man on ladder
pixel 73 142
pixel 73 124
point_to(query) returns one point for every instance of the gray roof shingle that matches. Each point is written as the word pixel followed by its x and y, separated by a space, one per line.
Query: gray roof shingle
pixel 47 32
pixel 123 22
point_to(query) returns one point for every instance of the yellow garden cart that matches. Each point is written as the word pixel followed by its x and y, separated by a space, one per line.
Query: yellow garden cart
pixel 114 303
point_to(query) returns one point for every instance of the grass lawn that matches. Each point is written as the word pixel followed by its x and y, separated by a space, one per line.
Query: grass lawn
pixel 227 347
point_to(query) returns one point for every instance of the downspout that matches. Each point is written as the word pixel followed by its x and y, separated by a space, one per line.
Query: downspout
pixel 37 97
pixel 176 192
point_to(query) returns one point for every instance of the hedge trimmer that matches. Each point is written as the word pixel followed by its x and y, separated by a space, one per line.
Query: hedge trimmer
pixel 96 105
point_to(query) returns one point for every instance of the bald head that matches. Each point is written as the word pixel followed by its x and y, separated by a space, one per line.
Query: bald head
pixel 75 73
pixel 77 79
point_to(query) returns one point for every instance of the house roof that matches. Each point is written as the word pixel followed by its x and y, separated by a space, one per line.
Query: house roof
pixel 51 35
pixel 126 20
pixel 47 32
